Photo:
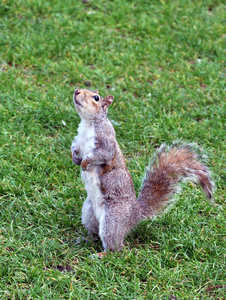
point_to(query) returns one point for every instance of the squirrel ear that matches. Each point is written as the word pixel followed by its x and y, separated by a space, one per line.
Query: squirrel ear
pixel 107 101
pixel 96 91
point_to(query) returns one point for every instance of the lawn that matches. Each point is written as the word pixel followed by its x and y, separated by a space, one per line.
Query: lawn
pixel 164 63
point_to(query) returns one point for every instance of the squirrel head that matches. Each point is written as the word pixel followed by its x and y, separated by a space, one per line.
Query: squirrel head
pixel 90 105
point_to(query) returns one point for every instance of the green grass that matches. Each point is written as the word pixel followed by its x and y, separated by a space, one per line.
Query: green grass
pixel 164 63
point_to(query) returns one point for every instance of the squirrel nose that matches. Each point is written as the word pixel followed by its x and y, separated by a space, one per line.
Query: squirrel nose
pixel 76 93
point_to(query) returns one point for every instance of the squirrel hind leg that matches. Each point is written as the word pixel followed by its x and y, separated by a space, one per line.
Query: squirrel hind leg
pixel 89 219
pixel 112 233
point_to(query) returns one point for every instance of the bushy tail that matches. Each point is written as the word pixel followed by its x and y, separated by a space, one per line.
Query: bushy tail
pixel 173 165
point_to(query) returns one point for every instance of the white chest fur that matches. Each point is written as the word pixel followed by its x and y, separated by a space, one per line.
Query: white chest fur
pixel 86 138
pixel 85 142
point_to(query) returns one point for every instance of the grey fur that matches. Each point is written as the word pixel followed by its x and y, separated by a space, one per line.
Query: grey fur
pixel 111 208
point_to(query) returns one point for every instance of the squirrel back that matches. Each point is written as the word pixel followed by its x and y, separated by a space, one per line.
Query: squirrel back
pixel 111 208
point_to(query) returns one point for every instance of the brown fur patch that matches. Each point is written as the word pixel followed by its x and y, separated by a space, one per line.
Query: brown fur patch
pixel 85 163
pixel 96 106
pixel 109 167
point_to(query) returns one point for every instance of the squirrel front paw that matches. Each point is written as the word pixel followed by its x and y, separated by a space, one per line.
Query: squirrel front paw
pixel 76 159
pixel 85 165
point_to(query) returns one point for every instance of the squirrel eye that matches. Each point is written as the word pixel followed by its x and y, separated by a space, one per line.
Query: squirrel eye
pixel 96 98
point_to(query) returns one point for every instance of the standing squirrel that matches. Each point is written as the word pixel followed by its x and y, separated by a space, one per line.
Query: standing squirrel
pixel 111 208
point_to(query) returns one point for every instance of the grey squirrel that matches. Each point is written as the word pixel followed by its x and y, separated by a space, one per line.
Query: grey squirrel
pixel 111 208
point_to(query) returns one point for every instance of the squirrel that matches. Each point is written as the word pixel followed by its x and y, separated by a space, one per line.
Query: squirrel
pixel 111 208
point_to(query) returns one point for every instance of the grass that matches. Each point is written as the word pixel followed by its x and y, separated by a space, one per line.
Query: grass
pixel 164 63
